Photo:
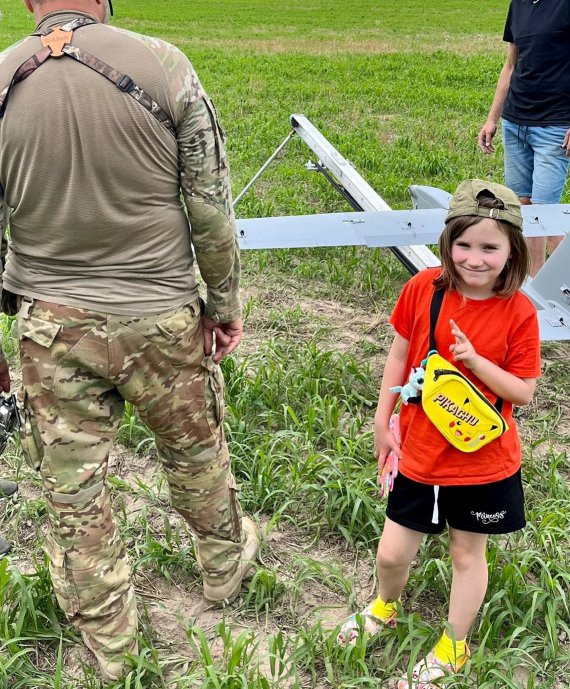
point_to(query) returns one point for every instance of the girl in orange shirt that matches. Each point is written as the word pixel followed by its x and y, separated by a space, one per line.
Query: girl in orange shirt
pixel 489 330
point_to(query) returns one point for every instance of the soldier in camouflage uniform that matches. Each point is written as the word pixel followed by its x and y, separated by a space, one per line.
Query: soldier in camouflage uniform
pixel 114 179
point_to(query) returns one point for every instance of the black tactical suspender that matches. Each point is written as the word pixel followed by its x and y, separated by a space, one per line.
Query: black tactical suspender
pixel 56 43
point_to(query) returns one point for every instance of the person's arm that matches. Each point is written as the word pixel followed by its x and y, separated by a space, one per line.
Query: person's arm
pixel 205 184
pixel 489 130
pixel 517 390
pixel 394 375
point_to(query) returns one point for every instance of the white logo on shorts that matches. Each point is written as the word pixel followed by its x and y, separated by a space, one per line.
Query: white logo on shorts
pixel 489 518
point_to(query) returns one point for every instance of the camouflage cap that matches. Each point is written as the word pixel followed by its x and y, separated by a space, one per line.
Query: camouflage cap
pixel 465 201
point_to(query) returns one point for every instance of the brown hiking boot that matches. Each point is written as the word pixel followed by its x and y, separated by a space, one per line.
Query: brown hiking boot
pixel 7 488
pixel 226 592
pixel 112 668
pixel 5 547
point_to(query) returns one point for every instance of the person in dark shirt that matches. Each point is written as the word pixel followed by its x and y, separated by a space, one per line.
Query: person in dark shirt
pixel 533 99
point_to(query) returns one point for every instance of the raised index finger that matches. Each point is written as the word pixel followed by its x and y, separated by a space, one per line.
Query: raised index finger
pixel 455 330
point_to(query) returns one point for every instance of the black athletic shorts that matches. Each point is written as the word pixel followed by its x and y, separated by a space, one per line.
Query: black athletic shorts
pixel 491 508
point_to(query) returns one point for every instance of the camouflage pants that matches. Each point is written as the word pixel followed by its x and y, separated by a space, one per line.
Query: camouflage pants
pixel 78 368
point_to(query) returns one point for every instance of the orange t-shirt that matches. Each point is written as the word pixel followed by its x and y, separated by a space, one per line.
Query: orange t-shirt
pixel 505 331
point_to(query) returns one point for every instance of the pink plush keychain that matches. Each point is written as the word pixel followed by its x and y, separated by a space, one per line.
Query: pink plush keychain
pixel 390 468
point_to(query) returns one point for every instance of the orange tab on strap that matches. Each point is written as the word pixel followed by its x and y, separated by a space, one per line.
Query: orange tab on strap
pixel 56 40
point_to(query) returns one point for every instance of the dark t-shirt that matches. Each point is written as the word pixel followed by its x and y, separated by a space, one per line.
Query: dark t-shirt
pixel 539 92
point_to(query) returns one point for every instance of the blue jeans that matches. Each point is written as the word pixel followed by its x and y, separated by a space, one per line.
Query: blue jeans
pixel 536 164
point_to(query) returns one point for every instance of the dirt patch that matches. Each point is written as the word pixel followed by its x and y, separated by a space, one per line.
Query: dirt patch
pixel 335 325
pixel 172 610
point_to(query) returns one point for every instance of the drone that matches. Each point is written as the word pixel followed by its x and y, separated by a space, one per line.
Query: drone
pixel 407 233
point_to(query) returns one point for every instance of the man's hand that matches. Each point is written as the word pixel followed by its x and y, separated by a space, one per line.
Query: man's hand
pixel 462 350
pixel 485 139
pixel 566 143
pixel 227 337
pixel 4 376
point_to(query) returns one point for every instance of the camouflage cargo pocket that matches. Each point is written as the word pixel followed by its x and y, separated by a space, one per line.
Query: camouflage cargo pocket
pixel 175 325
pixel 221 156
pixel 213 392
pixel 63 583
pixel 30 441
pixel 37 339
pixel 87 577
pixel 178 336
pixel 41 332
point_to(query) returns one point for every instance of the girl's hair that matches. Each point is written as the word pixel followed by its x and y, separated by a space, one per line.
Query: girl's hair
pixel 516 268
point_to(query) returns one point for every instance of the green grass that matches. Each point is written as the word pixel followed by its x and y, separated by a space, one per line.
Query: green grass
pixel 400 89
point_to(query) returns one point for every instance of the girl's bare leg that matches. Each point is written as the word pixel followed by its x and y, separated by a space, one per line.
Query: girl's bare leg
pixel 470 578
pixel 397 548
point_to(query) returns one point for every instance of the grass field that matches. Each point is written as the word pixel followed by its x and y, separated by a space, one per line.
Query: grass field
pixel 400 87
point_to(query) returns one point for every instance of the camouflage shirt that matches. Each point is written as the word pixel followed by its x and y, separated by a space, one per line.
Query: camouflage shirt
pixel 107 209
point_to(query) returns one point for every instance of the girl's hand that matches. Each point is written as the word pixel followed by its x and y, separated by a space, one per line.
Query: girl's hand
pixel 387 451
pixel 384 442
pixel 462 350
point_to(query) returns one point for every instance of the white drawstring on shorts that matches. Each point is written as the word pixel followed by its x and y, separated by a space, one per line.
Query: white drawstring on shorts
pixel 435 515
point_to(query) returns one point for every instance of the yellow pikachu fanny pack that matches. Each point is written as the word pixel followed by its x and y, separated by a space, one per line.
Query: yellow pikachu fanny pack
pixel 459 411
pixel 456 407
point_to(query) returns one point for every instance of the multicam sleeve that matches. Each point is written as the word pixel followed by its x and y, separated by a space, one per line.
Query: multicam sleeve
pixel 205 183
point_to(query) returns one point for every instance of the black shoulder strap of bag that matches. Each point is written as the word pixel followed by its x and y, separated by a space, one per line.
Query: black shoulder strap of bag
pixel 434 309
